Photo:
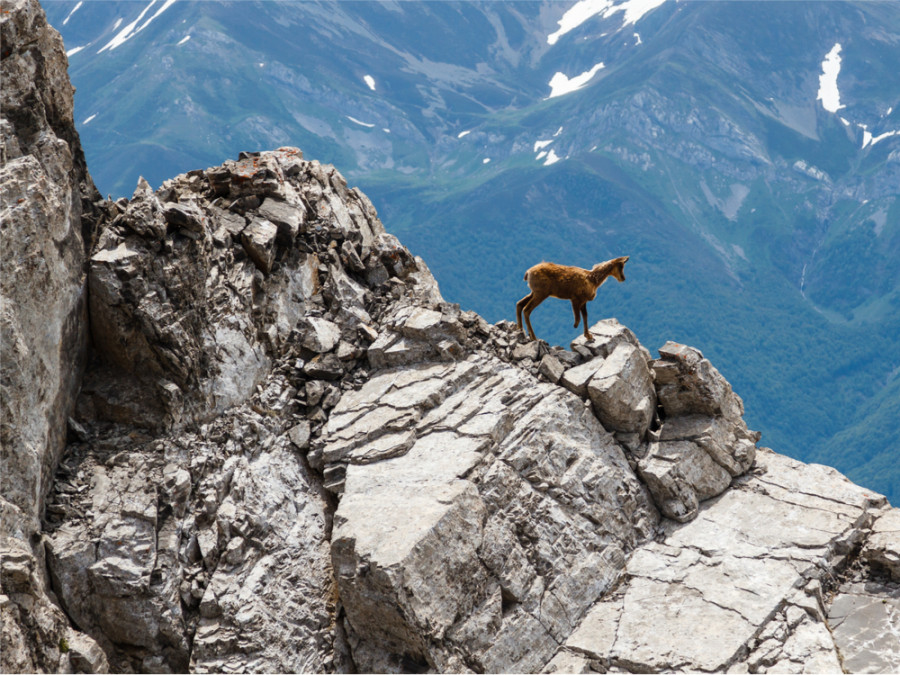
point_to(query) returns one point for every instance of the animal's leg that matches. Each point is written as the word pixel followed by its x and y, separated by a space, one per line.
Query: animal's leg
pixel 587 333
pixel 529 308
pixel 519 306
pixel 575 310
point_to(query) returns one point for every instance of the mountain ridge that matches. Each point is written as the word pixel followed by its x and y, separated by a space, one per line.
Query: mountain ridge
pixel 289 453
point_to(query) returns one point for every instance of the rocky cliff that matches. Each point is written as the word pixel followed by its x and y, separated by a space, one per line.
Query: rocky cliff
pixel 287 452
pixel 46 220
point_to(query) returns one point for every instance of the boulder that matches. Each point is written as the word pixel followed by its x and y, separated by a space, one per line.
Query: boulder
pixel 258 239
pixel 689 384
pixel 288 218
pixel 607 335
pixel 622 391
pixel 187 216
pixel 679 474
pixel 319 335
pixel 551 368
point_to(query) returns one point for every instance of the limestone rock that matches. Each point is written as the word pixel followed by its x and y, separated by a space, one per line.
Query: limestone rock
pixel 608 334
pixel 288 218
pixel 47 216
pixel 679 474
pixel 472 456
pixel 882 548
pixel 720 582
pixel 551 368
pixel 622 392
pixel 186 216
pixel 576 379
pixel 863 618
pixel 703 441
pixel 259 241
pixel 418 334
pixel 319 335
pixel 690 384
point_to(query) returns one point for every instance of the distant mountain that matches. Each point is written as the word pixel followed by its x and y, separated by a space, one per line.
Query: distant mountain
pixel 746 155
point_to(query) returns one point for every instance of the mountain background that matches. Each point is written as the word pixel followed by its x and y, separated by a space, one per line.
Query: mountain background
pixel 746 155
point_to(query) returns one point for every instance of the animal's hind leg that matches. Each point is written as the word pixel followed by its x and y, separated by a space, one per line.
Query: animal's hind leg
pixel 519 306
pixel 587 333
pixel 529 307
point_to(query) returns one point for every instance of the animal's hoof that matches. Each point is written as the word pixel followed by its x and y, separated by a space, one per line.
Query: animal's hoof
pixel 589 336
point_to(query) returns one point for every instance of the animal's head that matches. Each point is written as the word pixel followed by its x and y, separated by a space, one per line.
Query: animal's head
pixel 618 270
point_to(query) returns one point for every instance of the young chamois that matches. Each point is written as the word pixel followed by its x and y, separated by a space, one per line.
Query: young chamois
pixel 567 283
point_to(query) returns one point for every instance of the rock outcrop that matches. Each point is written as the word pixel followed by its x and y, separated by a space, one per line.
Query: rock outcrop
pixel 46 217
pixel 290 453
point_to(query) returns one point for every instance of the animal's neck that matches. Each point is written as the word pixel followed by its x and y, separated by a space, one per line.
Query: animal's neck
pixel 599 273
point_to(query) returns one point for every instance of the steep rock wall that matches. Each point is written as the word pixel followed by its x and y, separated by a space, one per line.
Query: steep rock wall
pixel 46 219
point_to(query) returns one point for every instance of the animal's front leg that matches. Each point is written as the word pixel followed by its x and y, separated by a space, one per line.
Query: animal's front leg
pixel 575 311
pixel 587 333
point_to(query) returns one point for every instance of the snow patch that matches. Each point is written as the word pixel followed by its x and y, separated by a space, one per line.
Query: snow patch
pixel 637 39
pixel 370 81
pixel 462 134
pixel 89 118
pixel 356 121
pixel 486 160
pixel 74 9
pixel 184 39
pixel 74 50
pixel 636 9
pixel 133 29
pixel 561 85
pixel 867 135
pixel 828 89
pixel 552 158
pixel 872 140
pixel 633 11
pixel 540 145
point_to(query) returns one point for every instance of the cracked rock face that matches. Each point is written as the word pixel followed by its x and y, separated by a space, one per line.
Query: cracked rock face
pixel 746 587
pixel 290 454
pixel 437 550
pixel 47 210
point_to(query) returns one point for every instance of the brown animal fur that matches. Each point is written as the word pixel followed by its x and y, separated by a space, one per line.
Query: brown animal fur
pixel 567 283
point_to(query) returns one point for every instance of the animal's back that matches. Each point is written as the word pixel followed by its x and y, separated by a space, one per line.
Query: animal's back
pixel 558 281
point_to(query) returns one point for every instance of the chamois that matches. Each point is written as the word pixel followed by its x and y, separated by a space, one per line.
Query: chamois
pixel 567 283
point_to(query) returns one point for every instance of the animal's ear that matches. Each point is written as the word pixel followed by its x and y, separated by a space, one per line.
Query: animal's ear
pixel 625 259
